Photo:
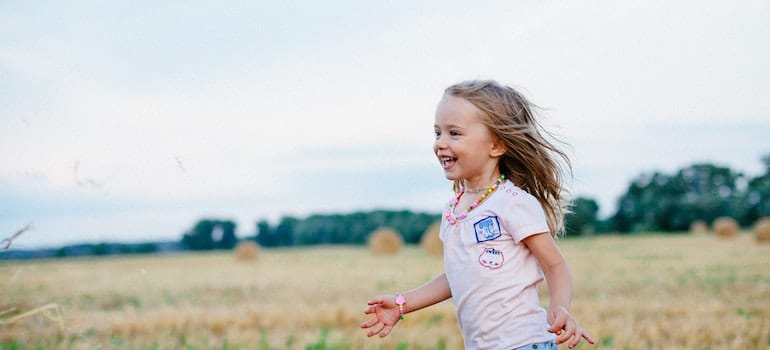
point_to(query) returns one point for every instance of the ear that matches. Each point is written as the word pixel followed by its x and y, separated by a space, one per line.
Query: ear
pixel 497 149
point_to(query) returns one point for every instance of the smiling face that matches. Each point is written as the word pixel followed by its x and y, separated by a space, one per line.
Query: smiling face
pixel 465 147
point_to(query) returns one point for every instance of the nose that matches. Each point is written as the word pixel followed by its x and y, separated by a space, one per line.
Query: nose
pixel 440 142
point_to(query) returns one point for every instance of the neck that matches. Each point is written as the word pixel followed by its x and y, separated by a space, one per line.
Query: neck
pixel 478 185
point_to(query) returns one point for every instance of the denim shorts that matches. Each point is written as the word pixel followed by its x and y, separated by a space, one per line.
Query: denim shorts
pixel 546 345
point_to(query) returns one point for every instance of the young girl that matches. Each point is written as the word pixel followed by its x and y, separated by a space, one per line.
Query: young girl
pixel 498 232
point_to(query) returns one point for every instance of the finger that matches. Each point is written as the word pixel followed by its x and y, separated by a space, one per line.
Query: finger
pixel 574 343
pixel 370 323
pixel 579 334
pixel 558 323
pixel 375 330
pixel 385 331
pixel 370 309
pixel 376 301
pixel 587 337
pixel 566 333
pixel 563 336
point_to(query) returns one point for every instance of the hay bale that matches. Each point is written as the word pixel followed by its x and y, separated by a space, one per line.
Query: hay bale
pixel 725 227
pixel 699 227
pixel 385 241
pixel 430 241
pixel 246 251
pixel 762 230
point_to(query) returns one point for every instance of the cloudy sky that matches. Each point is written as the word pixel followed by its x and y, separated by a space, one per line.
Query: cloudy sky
pixel 128 121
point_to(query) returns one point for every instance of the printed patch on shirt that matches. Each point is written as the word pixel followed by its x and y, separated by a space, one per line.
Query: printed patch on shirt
pixel 487 229
pixel 491 258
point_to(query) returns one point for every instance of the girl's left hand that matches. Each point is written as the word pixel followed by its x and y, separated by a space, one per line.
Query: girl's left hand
pixel 565 327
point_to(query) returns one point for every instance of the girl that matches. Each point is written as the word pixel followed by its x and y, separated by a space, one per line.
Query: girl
pixel 498 232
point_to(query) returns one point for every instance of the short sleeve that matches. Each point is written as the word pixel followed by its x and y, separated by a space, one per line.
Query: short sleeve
pixel 524 216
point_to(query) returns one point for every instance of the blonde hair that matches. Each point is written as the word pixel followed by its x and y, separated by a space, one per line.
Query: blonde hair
pixel 531 160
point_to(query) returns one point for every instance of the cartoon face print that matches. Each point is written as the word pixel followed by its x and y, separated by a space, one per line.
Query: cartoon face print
pixel 491 258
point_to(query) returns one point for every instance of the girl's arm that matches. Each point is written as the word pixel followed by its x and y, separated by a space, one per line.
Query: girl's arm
pixel 559 280
pixel 386 312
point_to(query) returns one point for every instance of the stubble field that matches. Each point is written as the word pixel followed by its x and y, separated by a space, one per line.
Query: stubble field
pixel 631 292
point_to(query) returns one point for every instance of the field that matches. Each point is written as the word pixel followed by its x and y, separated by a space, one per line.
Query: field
pixel 632 292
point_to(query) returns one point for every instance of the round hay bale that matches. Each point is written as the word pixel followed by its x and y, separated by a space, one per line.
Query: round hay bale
pixel 430 241
pixel 726 227
pixel 246 251
pixel 699 227
pixel 385 241
pixel 762 230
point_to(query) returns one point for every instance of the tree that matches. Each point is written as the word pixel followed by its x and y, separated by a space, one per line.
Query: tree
pixel 706 193
pixel 583 216
pixel 351 228
pixel 265 236
pixel 671 202
pixel 755 201
pixel 637 202
pixel 211 234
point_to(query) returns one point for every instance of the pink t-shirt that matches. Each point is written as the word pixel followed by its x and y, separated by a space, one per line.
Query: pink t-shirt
pixel 493 275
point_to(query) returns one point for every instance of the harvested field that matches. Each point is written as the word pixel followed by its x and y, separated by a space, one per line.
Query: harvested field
pixel 631 292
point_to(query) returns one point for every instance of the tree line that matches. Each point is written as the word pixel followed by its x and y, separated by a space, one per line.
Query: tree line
pixel 700 192
pixel 353 228
pixel 661 202
pixel 653 201
pixel 342 228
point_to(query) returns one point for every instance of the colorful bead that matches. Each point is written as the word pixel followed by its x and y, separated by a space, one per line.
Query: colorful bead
pixel 449 213
pixel 400 301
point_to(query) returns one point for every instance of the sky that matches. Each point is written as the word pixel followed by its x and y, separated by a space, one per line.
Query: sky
pixel 129 121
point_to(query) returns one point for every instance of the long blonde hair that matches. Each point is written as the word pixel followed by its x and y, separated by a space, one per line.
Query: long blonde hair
pixel 531 160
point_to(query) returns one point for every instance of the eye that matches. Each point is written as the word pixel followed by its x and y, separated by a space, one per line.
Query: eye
pixel 437 133
pixel 454 133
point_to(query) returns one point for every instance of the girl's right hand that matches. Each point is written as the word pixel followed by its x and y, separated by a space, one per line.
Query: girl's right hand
pixel 565 327
pixel 386 315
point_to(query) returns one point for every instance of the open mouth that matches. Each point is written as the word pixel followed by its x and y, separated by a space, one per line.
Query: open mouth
pixel 447 161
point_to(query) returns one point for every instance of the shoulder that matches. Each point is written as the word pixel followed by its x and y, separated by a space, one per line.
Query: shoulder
pixel 522 214
pixel 515 196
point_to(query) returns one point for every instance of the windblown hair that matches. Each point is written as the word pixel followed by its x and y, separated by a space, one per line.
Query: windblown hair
pixel 531 160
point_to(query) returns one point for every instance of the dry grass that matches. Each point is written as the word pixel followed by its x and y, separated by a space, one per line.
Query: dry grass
pixel 635 292
pixel 385 241
pixel 52 312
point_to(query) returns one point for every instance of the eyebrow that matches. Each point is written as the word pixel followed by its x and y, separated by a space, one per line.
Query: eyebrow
pixel 449 126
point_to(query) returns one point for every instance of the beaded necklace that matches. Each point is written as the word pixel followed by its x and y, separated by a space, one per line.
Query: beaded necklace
pixel 450 212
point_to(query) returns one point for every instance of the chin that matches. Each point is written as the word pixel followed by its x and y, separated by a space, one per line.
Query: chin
pixel 451 177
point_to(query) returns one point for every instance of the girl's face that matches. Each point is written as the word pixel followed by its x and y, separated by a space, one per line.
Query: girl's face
pixel 465 147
